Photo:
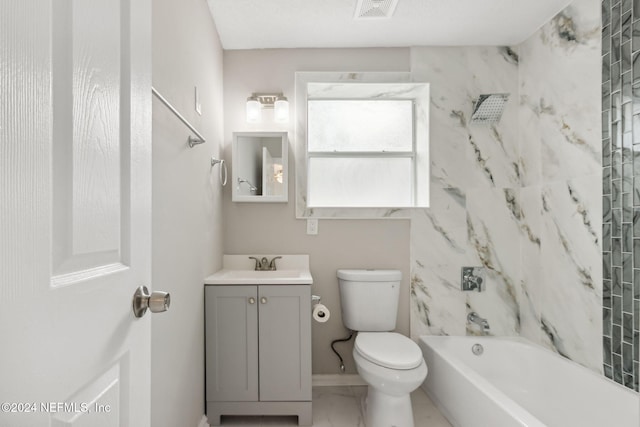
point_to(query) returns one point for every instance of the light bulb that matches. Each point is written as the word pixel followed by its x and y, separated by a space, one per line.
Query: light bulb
pixel 281 110
pixel 254 110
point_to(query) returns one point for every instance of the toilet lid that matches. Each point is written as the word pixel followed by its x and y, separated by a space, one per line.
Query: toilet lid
pixel 388 349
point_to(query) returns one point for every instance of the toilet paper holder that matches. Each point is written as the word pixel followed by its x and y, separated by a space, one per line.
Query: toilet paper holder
pixel 319 312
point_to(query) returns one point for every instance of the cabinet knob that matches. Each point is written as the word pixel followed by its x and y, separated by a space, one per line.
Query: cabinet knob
pixel 263 300
pixel 252 300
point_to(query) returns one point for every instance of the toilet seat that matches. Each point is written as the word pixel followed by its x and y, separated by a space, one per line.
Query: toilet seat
pixel 388 349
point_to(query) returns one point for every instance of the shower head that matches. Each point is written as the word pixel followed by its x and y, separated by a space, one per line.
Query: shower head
pixel 489 108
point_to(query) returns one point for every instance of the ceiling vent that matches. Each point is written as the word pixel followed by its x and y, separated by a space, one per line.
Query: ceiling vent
pixel 372 9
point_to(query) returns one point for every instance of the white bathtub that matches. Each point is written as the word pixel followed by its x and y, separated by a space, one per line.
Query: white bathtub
pixel 516 383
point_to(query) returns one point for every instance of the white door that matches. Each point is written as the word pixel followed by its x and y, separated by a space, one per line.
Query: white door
pixel 75 142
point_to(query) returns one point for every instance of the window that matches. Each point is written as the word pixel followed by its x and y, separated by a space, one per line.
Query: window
pixel 361 144
pixel 361 153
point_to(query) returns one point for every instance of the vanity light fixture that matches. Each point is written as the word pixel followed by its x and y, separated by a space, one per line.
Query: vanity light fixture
pixel 277 101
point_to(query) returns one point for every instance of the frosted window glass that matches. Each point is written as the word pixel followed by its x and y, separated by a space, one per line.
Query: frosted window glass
pixel 360 125
pixel 360 182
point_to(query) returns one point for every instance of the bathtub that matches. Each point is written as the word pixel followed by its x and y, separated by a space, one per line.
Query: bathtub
pixel 516 383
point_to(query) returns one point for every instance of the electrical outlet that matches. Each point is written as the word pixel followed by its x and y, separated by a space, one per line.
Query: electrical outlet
pixel 198 105
pixel 312 226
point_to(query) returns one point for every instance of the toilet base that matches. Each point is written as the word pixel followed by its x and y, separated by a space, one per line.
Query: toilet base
pixel 384 410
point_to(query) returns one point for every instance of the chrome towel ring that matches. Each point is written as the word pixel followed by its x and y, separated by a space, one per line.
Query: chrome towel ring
pixel 223 169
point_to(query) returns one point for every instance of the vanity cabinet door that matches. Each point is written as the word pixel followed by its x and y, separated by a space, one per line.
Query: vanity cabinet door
pixel 231 327
pixel 285 343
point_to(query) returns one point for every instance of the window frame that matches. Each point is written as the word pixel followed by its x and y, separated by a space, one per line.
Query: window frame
pixel 412 154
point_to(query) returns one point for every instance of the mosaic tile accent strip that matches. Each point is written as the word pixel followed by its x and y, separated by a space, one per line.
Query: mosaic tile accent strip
pixel 621 190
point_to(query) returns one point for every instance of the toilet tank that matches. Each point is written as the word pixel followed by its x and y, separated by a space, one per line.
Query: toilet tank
pixel 369 299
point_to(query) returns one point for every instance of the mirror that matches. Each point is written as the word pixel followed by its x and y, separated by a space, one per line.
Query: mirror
pixel 259 167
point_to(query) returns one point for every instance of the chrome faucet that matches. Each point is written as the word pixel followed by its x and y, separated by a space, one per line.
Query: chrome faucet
pixel 264 264
pixel 475 319
pixel 272 263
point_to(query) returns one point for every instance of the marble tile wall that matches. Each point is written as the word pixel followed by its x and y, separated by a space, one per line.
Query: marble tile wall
pixel 474 218
pixel 521 198
pixel 621 189
pixel 560 158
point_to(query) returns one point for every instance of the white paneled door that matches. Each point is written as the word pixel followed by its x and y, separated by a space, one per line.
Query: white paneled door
pixel 75 177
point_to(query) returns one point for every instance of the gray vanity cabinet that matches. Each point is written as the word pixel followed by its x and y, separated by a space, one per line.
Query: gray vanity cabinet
pixel 231 343
pixel 258 351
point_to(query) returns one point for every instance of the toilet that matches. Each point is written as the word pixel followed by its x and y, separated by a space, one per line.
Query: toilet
pixel 390 363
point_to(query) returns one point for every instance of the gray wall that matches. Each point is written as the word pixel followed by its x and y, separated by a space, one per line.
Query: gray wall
pixel 272 228
pixel 187 199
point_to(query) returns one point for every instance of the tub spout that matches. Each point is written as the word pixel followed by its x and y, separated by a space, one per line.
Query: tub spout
pixel 480 321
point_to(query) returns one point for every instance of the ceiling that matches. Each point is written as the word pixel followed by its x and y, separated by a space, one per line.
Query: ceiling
pixel 259 24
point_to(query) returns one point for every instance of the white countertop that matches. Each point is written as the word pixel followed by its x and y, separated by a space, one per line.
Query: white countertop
pixel 239 270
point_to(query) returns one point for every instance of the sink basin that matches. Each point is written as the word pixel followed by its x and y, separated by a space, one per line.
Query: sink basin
pixel 237 271
pixel 251 274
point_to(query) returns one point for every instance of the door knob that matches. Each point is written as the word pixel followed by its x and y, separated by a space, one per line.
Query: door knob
pixel 252 300
pixel 157 302
pixel 263 300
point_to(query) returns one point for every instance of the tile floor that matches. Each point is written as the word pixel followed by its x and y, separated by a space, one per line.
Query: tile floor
pixel 340 407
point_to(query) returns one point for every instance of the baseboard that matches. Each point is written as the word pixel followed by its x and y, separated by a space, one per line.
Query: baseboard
pixel 204 422
pixel 324 380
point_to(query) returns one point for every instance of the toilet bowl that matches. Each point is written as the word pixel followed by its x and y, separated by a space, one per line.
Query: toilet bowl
pixel 391 373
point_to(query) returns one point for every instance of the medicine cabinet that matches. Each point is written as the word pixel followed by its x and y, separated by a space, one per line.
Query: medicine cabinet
pixel 260 167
